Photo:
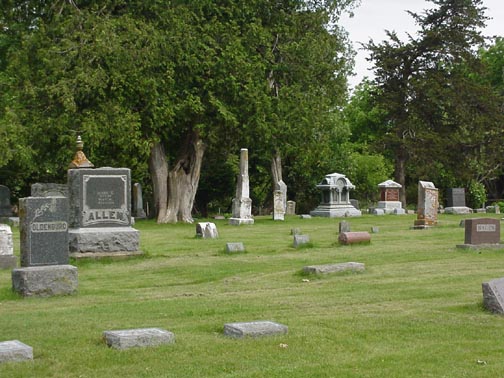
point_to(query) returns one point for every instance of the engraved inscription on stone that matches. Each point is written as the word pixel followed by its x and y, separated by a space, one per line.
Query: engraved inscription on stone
pixel 485 228
pixel 44 231
pixel 105 200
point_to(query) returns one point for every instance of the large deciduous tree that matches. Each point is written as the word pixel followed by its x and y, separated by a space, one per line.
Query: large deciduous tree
pixel 439 118
pixel 153 85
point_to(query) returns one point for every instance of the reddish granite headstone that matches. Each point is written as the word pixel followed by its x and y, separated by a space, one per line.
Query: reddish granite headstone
pixel 482 231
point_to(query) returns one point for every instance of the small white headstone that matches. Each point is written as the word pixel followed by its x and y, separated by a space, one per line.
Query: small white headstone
pixel 234 247
pixel 300 240
pixel 207 230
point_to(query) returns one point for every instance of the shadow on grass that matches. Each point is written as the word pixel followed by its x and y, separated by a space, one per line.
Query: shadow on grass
pixel 84 262
pixel 7 294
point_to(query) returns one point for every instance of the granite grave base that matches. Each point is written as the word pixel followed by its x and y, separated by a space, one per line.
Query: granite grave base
pixel 240 221
pixel 480 246
pixel 254 329
pixel 15 351
pixel 458 210
pixel 138 338
pixel 335 211
pixel 109 241
pixel 45 281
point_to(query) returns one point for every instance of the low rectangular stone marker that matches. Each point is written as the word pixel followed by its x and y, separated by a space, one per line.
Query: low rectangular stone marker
pixel 45 281
pixel 254 329
pixel 300 240
pixel 344 226
pixel 234 247
pixel 335 268
pixel 14 350
pixel 493 295
pixel 138 338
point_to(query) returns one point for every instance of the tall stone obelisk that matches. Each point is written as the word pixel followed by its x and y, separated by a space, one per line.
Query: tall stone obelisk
pixel 242 204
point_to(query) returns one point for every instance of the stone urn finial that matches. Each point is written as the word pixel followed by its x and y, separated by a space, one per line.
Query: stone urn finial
pixel 80 160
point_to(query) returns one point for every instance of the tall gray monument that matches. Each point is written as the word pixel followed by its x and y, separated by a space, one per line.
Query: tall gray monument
pixel 100 213
pixel 44 248
pixel 100 210
pixel 242 204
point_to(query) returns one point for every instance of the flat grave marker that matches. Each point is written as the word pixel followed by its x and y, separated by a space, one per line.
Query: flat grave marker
pixel 254 329
pixel 493 295
pixel 334 268
pixel 138 338
pixel 15 351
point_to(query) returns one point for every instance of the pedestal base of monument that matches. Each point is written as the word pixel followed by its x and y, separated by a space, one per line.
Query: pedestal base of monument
pixel 391 207
pixel 239 221
pixel 8 261
pixel 104 242
pixel 45 281
pixel 458 210
pixel 335 211
pixel 481 246
pixel 422 225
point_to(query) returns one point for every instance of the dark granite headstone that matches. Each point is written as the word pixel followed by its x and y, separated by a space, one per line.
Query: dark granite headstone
pixel 100 197
pixel 100 213
pixel 44 231
pixel 455 197
pixel 482 231
pixel 5 202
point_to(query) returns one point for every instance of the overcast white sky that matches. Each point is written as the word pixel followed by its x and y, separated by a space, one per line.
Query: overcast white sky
pixel 373 17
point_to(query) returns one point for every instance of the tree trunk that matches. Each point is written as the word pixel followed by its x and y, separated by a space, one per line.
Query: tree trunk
pixel 158 167
pixel 400 174
pixel 276 168
pixel 183 181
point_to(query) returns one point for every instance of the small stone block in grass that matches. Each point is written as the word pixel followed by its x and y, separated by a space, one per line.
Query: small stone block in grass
pixel 335 268
pixel 14 350
pixel 138 338
pixel 254 329
pixel 234 247
pixel 300 240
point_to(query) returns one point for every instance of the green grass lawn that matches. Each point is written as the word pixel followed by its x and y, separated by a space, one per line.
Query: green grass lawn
pixel 415 312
